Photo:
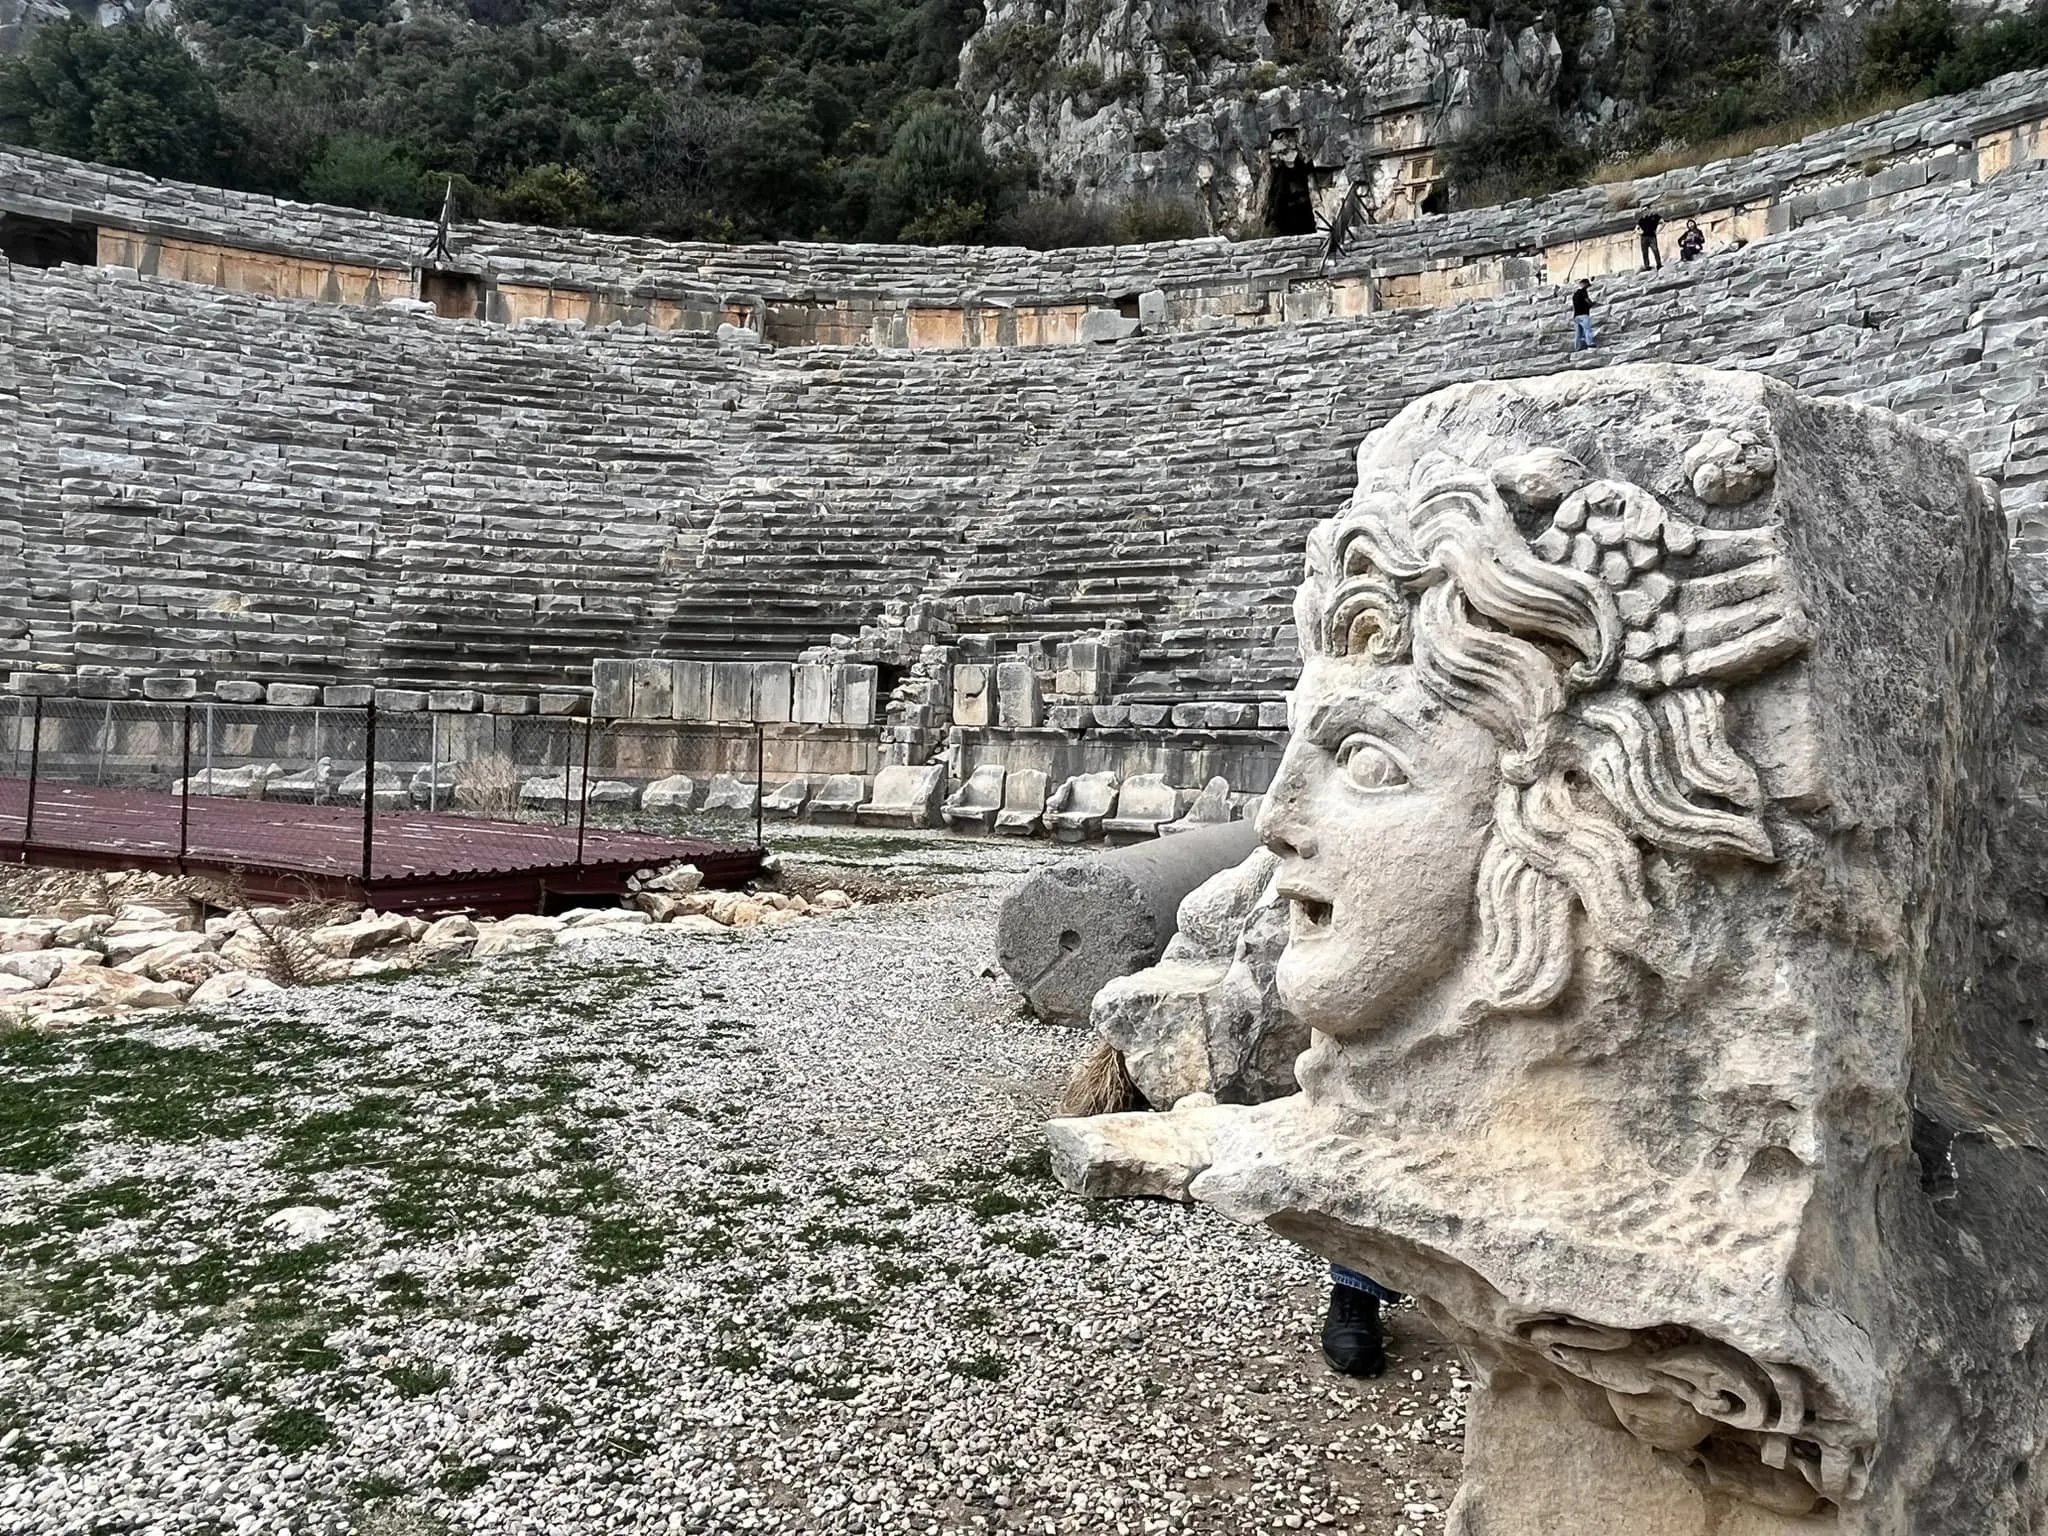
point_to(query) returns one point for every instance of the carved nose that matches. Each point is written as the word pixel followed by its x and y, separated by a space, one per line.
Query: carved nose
pixel 1282 827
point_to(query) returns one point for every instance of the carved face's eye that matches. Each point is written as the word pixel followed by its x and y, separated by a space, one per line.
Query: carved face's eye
pixel 1368 764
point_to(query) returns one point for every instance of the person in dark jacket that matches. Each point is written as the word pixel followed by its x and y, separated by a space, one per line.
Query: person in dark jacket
pixel 1692 241
pixel 1646 232
pixel 1582 315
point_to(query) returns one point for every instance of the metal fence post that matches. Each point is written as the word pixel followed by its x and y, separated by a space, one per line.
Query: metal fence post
pixel 369 786
pixel 759 840
pixel 35 761
pixel 185 790
pixel 568 768
pixel 583 800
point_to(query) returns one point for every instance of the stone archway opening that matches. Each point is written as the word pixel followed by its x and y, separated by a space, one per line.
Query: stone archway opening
pixel 1290 198
pixel 32 242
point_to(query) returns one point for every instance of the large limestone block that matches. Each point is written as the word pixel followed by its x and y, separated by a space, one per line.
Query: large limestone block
pixel 1019 705
pixel 1668 915
pixel 972 701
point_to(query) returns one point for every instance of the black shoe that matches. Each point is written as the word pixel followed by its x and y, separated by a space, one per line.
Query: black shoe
pixel 1351 1333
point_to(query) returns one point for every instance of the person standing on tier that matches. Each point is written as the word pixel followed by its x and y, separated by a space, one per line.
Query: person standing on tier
pixel 1692 241
pixel 1582 315
pixel 1646 232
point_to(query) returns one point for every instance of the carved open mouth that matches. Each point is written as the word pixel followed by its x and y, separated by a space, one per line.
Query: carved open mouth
pixel 1310 914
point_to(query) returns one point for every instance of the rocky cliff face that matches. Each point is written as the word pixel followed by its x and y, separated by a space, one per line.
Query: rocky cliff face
pixel 1263 111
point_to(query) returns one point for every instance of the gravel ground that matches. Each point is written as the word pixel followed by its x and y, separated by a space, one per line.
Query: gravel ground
pixel 676 1235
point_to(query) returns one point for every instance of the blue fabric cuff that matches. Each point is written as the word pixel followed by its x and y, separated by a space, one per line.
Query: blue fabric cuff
pixel 1339 1275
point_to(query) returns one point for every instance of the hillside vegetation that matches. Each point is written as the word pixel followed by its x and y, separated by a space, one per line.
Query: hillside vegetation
pixel 835 119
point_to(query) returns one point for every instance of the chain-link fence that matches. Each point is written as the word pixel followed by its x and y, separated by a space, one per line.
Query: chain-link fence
pixel 348 791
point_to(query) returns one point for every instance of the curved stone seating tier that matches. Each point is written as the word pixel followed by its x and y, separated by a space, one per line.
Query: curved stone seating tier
pixel 976 803
pixel 217 484
pixel 800 292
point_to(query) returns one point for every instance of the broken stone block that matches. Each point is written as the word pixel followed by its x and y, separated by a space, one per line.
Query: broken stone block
pixel 170 688
pixel 235 691
pixel 398 701
pixel 730 796
pixel 454 701
pixel 292 695
pixel 787 799
pixel 347 695
pixel 971 696
pixel 1018 705
pixel 839 797
pixel 677 792
pixel 1106 325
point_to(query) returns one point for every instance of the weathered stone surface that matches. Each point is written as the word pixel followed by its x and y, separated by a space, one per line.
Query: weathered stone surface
pixel 839 797
pixel 677 792
pixel 235 691
pixel 1019 706
pixel 1207 1019
pixel 1650 867
pixel 787 799
pixel 906 796
pixel 1073 925
pixel 1075 811
pixel 978 801
pixel 1144 804
pixel 1023 811
pixel 730 796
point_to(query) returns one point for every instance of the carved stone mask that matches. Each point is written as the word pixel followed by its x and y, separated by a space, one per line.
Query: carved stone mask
pixel 1492 728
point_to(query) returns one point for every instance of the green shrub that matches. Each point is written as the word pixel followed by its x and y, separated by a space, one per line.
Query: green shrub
pixel 128 96
pixel 1520 150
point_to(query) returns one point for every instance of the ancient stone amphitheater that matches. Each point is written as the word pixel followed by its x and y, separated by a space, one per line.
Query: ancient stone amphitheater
pixel 895 505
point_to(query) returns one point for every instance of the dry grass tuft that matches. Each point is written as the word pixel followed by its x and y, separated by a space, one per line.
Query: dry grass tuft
pixel 1099 1085
pixel 488 785
pixel 1746 142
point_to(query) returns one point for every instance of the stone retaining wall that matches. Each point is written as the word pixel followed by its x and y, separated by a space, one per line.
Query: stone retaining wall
pixel 968 297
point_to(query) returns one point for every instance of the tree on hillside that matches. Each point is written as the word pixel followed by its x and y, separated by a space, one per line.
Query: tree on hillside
pixel 127 96
pixel 937 185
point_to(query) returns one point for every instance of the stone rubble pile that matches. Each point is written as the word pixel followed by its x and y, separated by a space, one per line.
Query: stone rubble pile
pixel 88 959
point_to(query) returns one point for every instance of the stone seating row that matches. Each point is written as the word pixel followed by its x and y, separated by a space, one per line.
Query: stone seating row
pixel 1019 802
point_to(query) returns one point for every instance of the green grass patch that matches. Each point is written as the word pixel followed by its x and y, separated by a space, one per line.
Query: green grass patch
pixel 982 1367
pixel 421 1380
pixel 293 1430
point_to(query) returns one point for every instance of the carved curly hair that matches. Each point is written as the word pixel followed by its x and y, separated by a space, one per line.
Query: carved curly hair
pixel 1594 654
